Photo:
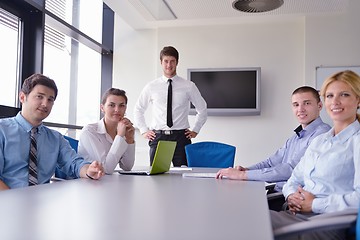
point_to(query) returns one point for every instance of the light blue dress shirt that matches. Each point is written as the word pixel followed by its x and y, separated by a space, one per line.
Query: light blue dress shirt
pixel 52 150
pixel 279 166
pixel 330 169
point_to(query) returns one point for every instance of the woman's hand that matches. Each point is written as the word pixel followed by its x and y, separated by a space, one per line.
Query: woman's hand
pixel 129 131
pixel 300 201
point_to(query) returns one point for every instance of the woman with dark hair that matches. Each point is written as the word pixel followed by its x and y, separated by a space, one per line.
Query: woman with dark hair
pixel 110 140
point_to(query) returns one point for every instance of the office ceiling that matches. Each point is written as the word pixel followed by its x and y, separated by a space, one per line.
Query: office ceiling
pixel 213 12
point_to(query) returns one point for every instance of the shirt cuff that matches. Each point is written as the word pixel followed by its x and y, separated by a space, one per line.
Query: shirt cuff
pixel 319 205
pixel 143 130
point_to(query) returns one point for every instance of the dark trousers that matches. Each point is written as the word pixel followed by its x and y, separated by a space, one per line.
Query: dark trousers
pixel 177 136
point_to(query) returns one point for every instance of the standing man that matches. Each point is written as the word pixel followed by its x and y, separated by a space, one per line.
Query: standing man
pixel 29 151
pixel 306 106
pixel 170 97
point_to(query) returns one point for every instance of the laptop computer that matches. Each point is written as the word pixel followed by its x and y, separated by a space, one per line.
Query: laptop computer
pixel 162 160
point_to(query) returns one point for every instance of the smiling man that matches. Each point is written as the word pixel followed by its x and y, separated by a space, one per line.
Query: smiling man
pixel 170 97
pixel 29 151
pixel 306 106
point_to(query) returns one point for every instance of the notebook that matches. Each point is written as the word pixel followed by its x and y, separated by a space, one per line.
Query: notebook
pixel 268 185
pixel 200 175
pixel 162 160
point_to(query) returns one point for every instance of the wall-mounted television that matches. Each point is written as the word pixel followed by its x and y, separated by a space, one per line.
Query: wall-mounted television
pixel 228 91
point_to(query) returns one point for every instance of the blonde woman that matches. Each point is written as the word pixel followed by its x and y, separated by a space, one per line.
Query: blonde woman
pixel 110 140
pixel 327 178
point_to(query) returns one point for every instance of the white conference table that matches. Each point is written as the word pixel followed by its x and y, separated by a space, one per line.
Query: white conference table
pixel 166 206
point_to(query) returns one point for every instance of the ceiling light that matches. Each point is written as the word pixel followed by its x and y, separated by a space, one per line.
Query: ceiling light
pixel 255 6
pixel 159 9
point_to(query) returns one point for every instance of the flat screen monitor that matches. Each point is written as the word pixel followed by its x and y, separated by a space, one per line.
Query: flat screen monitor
pixel 228 91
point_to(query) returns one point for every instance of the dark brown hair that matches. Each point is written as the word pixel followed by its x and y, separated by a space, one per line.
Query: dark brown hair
pixel 169 51
pixel 312 90
pixel 113 91
pixel 40 79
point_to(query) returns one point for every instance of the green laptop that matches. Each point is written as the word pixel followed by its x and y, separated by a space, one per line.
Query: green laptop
pixel 162 160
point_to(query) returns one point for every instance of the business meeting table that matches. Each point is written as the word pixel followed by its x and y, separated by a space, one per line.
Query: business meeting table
pixel 166 206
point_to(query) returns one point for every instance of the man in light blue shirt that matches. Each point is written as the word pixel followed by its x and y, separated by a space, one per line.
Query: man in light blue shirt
pixel 327 178
pixel 306 105
pixel 37 96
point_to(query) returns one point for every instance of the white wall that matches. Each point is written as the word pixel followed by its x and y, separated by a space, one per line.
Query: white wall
pixel 287 53
pixel 332 42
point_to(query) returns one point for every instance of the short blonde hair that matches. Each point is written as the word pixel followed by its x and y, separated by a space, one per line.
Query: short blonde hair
pixel 349 77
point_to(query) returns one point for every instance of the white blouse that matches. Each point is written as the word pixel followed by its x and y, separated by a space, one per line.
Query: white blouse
pixel 96 144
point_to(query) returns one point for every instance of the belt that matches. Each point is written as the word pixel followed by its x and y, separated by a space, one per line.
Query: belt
pixel 168 132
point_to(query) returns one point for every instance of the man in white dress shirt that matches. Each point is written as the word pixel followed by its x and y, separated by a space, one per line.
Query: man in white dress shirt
pixel 155 93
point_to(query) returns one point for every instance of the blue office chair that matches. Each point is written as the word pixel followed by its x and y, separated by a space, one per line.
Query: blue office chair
pixel 74 144
pixel 358 227
pixel 210 154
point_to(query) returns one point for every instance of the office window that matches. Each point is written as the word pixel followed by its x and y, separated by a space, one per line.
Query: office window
pixel 70 41
pixel 76 69
pixel 84 15
pixel 79 75
pixel 10 41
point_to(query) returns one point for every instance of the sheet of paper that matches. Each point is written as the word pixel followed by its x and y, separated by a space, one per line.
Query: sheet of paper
pixel 199 175
pixel 180 169
pixel 268 185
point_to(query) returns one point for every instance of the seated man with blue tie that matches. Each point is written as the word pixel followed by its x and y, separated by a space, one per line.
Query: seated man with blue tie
pixel 29 151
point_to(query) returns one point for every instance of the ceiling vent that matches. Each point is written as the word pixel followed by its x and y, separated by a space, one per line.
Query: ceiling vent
pixel 257 6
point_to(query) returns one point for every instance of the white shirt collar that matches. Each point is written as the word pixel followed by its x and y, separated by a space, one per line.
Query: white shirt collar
pixel 166 78
pixel 101 126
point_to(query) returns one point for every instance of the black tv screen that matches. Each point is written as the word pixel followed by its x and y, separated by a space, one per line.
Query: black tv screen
pixel 228 91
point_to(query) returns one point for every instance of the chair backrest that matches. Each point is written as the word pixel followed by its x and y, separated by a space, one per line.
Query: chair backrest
pixel 210 154
pixel 74 144
pixel 358 226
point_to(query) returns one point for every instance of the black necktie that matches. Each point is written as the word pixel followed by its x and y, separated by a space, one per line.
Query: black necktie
pixel 169 120
pixel 32 158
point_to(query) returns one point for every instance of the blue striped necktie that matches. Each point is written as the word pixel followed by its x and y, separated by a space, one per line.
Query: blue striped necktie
pixel 33 180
